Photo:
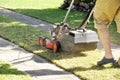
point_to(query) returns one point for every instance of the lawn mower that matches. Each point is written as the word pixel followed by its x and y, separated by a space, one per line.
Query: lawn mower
pixel 71 40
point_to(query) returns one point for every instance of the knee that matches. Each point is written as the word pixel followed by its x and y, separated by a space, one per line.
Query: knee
pixel 101 24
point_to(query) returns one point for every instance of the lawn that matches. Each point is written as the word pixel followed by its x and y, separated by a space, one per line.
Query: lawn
pixel 82 64
pixel 9 73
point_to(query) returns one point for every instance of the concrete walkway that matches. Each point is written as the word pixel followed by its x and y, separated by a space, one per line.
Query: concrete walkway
pixel 32 64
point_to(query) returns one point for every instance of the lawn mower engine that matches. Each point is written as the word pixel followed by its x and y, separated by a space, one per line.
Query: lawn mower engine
pixel 79 40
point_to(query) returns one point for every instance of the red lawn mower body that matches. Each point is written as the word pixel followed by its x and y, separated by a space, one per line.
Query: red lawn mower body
pixel 50 44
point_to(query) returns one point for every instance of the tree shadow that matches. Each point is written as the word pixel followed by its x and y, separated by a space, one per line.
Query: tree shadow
pixel 34 58
pixel 44 72
pixel 5 43
pixel 54 15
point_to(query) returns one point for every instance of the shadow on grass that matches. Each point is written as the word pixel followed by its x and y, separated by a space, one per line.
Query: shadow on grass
pixel 53 15
pixel 93 67
pixel 50 55
pixel 6 69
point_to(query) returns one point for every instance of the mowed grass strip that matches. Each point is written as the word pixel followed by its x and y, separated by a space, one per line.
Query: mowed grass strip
pixel 82 64
pixel 7 72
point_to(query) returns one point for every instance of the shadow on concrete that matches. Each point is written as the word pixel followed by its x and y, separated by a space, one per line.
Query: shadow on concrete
pixel 44 72
pixel 34 58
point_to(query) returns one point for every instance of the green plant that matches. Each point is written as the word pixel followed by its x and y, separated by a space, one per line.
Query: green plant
pixel 7 72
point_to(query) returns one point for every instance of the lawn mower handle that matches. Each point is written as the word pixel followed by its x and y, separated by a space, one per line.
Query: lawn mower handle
pixel 87 18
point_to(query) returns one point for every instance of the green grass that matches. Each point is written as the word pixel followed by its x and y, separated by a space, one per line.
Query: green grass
pixel 9 73
pixel 82 64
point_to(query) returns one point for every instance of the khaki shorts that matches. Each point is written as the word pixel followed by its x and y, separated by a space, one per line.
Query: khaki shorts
pixel 104 13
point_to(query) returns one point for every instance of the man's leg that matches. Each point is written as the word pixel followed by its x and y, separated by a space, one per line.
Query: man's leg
pixel 119 61
pixel 104 36
pixel 105 40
